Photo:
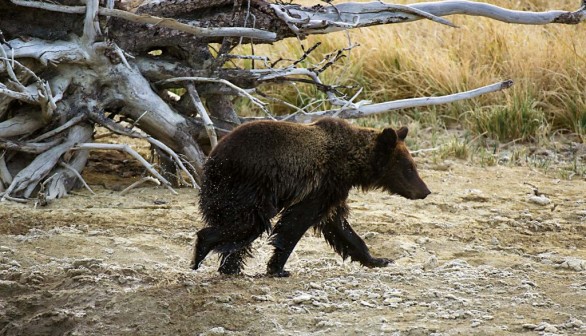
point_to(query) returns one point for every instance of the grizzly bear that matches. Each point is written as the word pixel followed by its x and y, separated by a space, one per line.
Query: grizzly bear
pixel 304 173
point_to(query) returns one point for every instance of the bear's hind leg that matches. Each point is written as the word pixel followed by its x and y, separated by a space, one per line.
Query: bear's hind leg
pixel 346 242
pixel 232 242
pixel 232 262
pixel 293 223
pixel 207 239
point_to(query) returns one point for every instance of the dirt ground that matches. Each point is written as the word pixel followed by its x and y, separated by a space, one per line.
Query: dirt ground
pixel 481 255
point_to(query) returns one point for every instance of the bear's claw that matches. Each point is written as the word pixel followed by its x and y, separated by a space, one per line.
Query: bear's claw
pixel 279 274
pixel 378 262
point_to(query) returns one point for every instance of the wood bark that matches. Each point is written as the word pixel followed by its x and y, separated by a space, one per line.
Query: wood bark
pixel 69 65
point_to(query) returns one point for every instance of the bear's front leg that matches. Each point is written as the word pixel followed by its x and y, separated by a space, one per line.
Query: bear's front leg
pixel 294 221
pixel 340 235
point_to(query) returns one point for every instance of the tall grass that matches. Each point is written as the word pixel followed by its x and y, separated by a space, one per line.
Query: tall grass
pixel 422 58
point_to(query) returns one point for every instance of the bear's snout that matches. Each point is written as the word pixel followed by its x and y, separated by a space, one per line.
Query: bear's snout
pixel 422 193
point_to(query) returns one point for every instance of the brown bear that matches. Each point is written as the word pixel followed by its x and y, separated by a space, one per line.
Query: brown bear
pixel 304 173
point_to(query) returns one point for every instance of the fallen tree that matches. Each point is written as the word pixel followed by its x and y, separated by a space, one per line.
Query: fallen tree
pixel 68 66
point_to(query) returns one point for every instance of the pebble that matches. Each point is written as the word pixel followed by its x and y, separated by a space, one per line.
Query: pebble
pixel 216 331
pixel 224 299
pixel 544 326
pixel 475 195
pixel 574 323
pixel 475 323
pixel 263 298
pixel 386 328
pixel 456 264
pixel 540 200
pixel 368 304
pixel 315 285
pixel 6 249
pixel 444 166
pixel 370 235
pixel 302 298
pixel 327 324
pixel 574 264
pixel 7 286
pixel 14 263
pixel 501 219
pixel 430 263
pixel 392 301
pixel 87 263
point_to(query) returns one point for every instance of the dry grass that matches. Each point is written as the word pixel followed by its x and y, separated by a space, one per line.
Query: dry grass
pixel 547 63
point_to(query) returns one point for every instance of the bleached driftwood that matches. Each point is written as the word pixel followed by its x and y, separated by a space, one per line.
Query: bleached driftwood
pixel 207 122
pixel 139 182
pixel 353 111
pixel 127 149
pixel 305 21
pixel 63 73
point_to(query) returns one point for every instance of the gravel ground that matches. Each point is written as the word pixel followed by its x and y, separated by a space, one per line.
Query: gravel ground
pixel 482 255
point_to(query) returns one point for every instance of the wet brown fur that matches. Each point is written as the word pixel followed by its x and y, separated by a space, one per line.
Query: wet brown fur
pixel 303 172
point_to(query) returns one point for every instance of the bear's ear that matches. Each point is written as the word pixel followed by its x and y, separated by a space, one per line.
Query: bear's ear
pixel 387 139
pixel 402 133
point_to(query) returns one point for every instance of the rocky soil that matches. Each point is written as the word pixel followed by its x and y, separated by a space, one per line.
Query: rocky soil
pixel 484 254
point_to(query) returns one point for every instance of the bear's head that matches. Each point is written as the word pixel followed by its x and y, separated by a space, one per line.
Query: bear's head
pixel 394 168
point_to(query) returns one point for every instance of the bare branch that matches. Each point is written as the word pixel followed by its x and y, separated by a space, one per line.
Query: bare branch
pixel 91 26
pixel 71 122
pixel 8 65
pixel 443 8
pixel 50 51
pixel 334 19
pixel 29 147
pixel 176 157
pixel 254 100
pixel 76 173
pixel 64 178
pixel 133 153
pixel 38 93
pixel 12 199
pixel 139 182
pixel 371 109
pixel 157 21
pixel 355 15
pixel 24 123
pixel 209 125
pixel 266 75
pixel 5 176
pixel 27 179
pixel 25 97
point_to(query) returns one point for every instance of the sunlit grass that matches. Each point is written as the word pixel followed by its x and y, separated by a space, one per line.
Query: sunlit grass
pixel 520 119
pixel 422 58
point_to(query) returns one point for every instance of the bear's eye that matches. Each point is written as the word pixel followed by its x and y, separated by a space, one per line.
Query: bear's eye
pixel 410 171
